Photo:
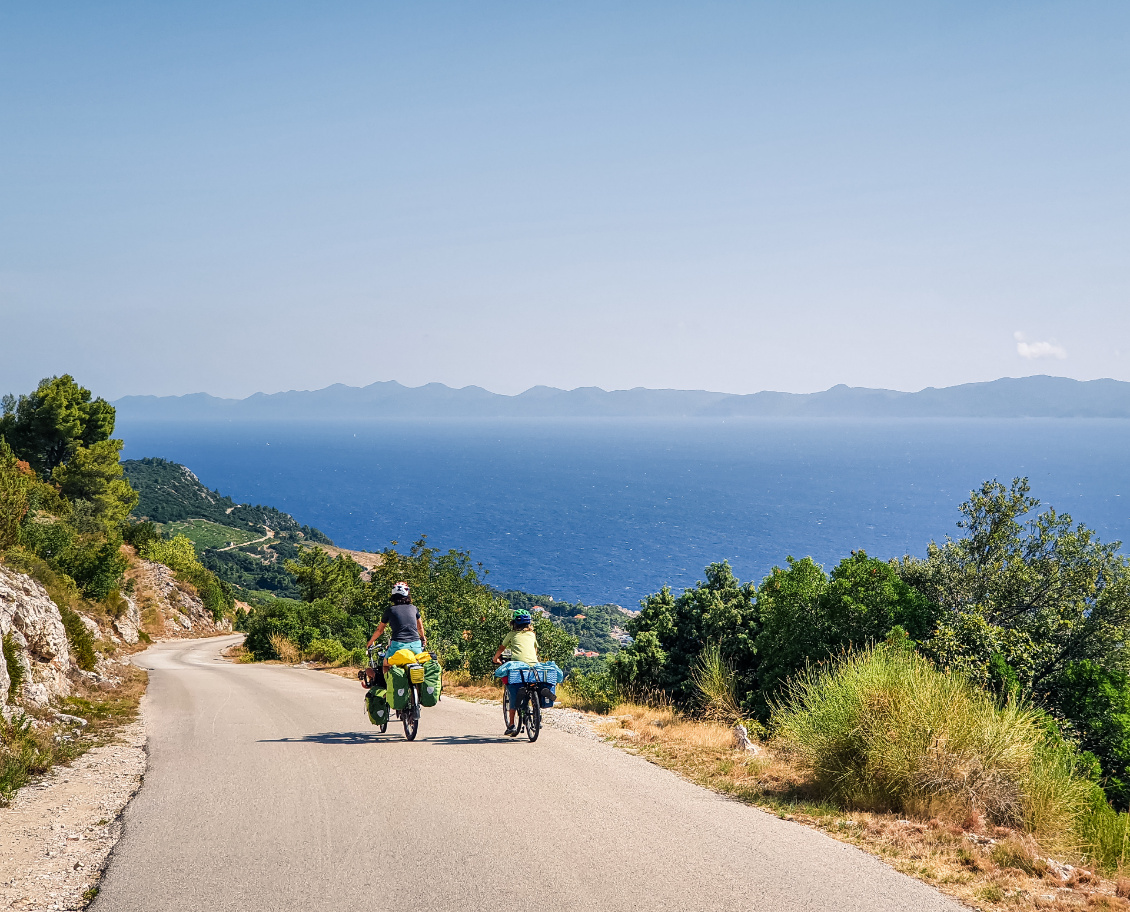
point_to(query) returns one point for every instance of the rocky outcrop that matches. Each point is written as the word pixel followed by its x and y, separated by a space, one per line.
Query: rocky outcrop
pixel 168 607
pixel 32 620
pixel 128 624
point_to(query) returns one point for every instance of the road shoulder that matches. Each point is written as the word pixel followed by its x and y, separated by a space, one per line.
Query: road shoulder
pixel 59 831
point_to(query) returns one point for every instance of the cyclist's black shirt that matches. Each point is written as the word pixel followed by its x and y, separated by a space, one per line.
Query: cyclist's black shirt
pixel 401 620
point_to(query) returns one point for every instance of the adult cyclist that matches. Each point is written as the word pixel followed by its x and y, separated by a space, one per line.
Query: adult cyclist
pixel 402 618
pixel 523 645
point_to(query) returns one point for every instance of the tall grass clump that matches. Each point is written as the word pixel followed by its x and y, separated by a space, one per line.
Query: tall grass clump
pixel 882 728
pixel 715 684
pixel 1104 835
pixel 286 650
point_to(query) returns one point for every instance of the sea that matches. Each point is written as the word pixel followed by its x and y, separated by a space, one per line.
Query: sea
pixel 611 510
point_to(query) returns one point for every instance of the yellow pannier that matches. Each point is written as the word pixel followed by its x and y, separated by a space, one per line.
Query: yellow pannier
pixel 416 674
pixel 402 657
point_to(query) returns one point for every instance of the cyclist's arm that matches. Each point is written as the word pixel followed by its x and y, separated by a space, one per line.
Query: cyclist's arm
pixel 377 634
pixel 420 630
pixel 506 641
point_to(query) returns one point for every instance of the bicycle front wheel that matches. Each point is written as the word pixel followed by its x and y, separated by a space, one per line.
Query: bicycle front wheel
pixel 533 721
pixel 411 714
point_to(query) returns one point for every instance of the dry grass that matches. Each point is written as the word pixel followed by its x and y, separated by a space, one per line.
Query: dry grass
pixel 985 866
pixel 239 654
pixel 287 651
pixel 459 684
pixel 29 747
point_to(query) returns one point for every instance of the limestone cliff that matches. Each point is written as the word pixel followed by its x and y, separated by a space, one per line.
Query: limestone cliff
pixel 36 628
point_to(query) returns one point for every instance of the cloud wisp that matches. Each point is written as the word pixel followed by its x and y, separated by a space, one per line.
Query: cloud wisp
pixel 1034 351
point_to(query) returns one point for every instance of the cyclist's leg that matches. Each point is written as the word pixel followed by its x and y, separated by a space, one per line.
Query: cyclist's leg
pixel 513 692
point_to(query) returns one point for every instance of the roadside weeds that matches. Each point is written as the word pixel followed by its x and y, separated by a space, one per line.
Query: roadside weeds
pixel 981 865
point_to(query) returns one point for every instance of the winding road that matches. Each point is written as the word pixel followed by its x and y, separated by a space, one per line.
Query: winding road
pixel 268 789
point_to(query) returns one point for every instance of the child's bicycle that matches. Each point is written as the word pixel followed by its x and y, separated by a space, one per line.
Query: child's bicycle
pixel 529 705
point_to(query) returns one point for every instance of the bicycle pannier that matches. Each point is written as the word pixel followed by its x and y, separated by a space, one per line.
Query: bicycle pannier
pixel 376 706
pixel 397 681
pixel 433 684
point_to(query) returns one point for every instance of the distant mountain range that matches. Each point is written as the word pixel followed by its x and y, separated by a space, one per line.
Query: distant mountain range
pixel 1025 397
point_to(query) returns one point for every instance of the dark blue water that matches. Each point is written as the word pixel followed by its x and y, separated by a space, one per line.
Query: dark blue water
pixel 610 510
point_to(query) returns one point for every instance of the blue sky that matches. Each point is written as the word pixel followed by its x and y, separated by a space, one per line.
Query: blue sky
pixel 732 196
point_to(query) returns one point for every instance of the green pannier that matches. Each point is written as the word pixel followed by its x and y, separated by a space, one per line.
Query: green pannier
pixel 398 684
pixel 376 706
pixel 433 683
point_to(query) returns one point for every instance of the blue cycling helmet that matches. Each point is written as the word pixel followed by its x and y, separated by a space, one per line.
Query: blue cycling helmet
pixel 521 617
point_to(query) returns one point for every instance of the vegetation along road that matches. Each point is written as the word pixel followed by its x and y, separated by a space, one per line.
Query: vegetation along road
pixel 268 789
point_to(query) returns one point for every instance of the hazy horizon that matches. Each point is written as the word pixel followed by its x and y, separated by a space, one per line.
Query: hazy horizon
pixel 586 386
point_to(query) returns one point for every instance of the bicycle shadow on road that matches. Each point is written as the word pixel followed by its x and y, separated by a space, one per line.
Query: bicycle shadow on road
pixel 467 739
pixel 360 737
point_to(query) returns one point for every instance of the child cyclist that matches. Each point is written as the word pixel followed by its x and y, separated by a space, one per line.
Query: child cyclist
pixel 523 645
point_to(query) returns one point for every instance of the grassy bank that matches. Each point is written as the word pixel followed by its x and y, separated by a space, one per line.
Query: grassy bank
pixel 976 797
pixel 32 743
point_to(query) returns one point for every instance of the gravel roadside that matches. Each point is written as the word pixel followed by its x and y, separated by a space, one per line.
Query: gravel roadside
pixel 57 834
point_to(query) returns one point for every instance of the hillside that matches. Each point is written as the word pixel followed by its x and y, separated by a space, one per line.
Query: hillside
pixel 596 627
pixel 1024 397
pixel 242 544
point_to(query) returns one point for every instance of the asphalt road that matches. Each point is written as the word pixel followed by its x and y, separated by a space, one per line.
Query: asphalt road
pixel 268 789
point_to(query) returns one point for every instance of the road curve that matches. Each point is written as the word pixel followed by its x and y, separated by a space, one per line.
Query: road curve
pixel 268 789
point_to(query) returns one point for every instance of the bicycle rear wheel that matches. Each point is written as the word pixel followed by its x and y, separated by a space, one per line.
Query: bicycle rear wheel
pixel 505 705
pixel 411 714
pixel 533 721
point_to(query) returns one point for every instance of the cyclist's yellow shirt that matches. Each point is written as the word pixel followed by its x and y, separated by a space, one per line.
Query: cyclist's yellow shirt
pixel 523 646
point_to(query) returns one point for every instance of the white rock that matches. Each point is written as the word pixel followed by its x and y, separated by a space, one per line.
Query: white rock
pixel 33 620
pixel 128 624
pixel 742 741
pixel 92 627
pixel 36 694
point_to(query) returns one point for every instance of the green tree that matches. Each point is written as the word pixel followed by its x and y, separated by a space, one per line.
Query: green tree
pixel 14 486
pixel 177 553
pixel 670 633
pixel 1096 703
pixel 320 576
pixel 94 474
pixel 806 617
pixel 45 427
pixel 1021 597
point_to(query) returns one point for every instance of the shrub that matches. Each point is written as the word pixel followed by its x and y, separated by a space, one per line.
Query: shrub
pixel 883 728
pixel 14 666
pixel 140 534
pixel 331 652
pixel 596 692
pixel 97 569
pixel 79 638
pixel 25 751
pixel 178 553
